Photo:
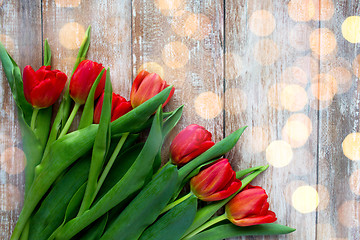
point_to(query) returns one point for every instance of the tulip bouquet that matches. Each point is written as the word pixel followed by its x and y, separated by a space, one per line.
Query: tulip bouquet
pixel 101 182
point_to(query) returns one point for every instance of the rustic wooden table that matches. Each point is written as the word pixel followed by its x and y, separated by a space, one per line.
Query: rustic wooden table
pixel 287 69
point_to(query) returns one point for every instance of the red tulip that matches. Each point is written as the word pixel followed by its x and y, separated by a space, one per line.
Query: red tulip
pixel 119 107
pixel 250 207
pixel 190 143
pixel 83 79
pixel 216 182
pixel 146 85
pixel 43 87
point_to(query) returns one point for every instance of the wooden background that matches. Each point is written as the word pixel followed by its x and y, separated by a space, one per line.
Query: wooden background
pixel 287 69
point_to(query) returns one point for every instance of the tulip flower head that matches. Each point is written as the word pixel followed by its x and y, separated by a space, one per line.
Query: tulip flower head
pixel 250 207
pixel 190 143
pixel 119 107
pixel 83 79
pixel 146 85
pixel 216 182
pixel 43 87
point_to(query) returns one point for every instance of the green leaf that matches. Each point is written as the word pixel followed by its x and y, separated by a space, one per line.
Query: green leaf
pixel 133 181
pixel 95 230
pixel 101 146
pixel 174 223
pixel 47 54
pixel 52 210
pixel 152 199
pixel 66 150
pixel 172 121
pixel 215 151
pixel 228 230
pixel 88 112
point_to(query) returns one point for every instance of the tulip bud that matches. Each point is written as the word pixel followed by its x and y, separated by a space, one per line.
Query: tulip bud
pixel 119 107
pixel 190 143
pixel 250 207
pixel 146 85
pixel 216 182
pixel 43 87
pixel 83 79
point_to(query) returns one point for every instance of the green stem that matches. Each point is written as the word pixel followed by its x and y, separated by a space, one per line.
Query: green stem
pixel 241 173
pixel 205 226
pixel 33 118
pixel 70 119
pixel 177 202
pixel 25 232
pixel 110 163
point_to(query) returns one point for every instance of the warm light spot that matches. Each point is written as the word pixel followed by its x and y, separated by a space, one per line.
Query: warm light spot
pixel 356 66
pixel 168 4
pixel 308 64
pixel 343 78
pixel 180 24
pixel 266 52
pixel 208 105
pixel 202 23
pixel 325 231
pixel 302 163
pixel 290 189
pixel 67 3
pixel 279 153
pixel 152 67
pixel 324 87
pixel 236 101
pixel 11 197
pixel 324 197
pixel 13 160
pixel 351 146
pixel 71 35
pixel 299 36
pixel 318 104
pixel 301 10
pixel 351 29
pixel 175 54
pixel 348 214
pixel 262 23
pixel 324 10
pixel 322 41
pixel 116 30
pixel 8 42
pixel 273 95
pixel 293 97
pixel 259 139
pixel 294 75
pixel 297 130
pixel 233 66
pixel 354 182
pixel 305 199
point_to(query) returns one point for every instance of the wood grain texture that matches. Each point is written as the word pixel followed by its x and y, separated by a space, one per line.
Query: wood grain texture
pixel 261 63
pixel 20 32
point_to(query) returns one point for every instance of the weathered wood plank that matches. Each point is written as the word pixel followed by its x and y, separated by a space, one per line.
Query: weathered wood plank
pixel 183 42
pixel 267 77
pixel 20 33
pixel 339 123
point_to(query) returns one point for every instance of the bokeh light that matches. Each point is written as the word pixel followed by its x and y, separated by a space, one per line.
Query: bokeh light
pixel 297 130
pixel 305 199
pixel 294 75
pixel 67 3
pixel 351 29
pixel 279 153
pixel 262 23
pixel 8 42
pixel 233 66
pixel 301 10
pixel 299 36
pixel 274 94
pixel 208 105
pixel 322 41
pixel 10 197
pixel 175 54
pixel 71 35
pixel 12 160
pixel 343 79
pixel 236 101
pixel 351 146
pixel 324 10
pixel 293 97
pixel 324 87
pixel 348 213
